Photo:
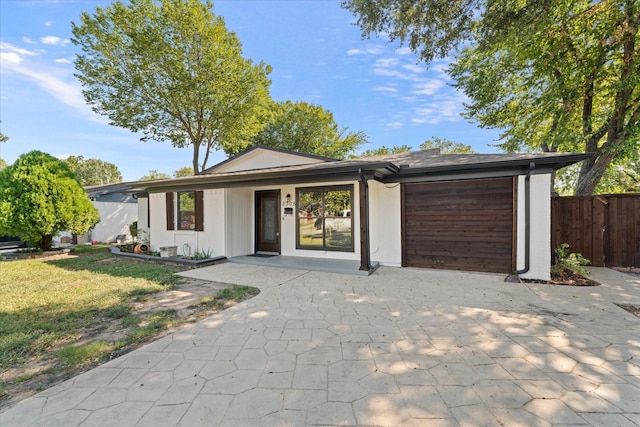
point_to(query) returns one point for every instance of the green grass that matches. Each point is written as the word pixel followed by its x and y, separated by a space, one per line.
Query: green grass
pixel 45 304
pixel 48 308
pixel 235 293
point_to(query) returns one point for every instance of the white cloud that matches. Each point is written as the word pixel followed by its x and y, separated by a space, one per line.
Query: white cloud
pixel 428 88
pixel 10 58
pixel 28 40
pixel 403 51
pixel 17 50
pixel 385 89
pixel 53 40
pixel 367 51
pixel 395 125
pixel 414 68
pixel 386 62
pixel 48 23
pixel 57 82
pixel 63 61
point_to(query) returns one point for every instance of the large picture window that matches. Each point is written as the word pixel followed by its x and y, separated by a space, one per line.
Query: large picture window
pixel 324 218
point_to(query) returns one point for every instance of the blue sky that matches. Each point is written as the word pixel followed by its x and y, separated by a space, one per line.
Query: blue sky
pixel 316 52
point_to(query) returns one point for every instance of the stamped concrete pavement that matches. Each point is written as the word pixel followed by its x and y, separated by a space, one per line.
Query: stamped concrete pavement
pixel 401 347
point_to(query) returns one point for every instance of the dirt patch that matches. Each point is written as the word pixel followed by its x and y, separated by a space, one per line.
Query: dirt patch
pixel 633 309
pixel 566 278
pixel 31 377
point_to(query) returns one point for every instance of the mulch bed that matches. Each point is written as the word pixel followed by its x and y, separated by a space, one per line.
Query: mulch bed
pixel 566 278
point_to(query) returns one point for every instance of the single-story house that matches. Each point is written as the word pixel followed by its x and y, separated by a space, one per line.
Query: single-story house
pixel 477 212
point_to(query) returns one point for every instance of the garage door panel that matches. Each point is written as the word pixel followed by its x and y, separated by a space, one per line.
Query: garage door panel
pixel 461 225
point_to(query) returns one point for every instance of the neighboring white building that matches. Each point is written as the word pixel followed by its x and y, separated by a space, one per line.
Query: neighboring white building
pixel 478 212
pixel 118 209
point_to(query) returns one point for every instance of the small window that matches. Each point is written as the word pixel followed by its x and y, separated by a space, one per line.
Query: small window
pixel 186 211
pixel 324 218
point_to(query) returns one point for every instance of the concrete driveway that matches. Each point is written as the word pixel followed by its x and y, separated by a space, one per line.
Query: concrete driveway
pixel 401 347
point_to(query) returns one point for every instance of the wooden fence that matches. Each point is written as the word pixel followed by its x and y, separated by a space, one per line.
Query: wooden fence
pixel 603 228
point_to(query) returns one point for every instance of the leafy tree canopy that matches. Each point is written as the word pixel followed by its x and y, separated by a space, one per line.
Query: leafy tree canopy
pixel 154 174
pixel 307 128
pixel 185 171
pixel 559 75
pixel 171 70
pixel 40 197
pixel 3 163
pixel 382 151
pixel 446 146
pixel 93 171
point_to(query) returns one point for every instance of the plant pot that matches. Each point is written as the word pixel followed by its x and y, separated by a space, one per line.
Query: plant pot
pixel 141 249
pixel 168 251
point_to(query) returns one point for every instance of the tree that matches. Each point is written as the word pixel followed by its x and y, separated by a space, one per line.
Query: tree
pixel 560 75
pixel 93 171
pixel 153 175
pixel 3 137
pixel 40 197
pixel 446 146
pixel 307 128
pixel 3 163
pixel 185 171
pixel 171 70
pixel 384 151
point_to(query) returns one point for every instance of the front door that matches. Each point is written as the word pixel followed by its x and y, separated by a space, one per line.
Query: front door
pixel 268 221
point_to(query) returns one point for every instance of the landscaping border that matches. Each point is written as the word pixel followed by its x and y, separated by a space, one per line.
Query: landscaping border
pixel 190 263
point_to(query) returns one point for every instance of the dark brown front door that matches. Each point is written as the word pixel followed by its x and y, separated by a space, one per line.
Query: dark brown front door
pixel 268 221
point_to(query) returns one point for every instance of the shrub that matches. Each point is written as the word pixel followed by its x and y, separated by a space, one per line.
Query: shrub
pixel 40 197
pixel 569 260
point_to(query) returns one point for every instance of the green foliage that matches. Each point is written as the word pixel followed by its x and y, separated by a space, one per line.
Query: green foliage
pixel 3 164
pixel 185 171
pixel 93 171
pixel 559 75
pixel 171 70
pixel 3 137
pixel 39 197
pixel 81 355
pixel 153 175
pixel 228 296
pixel 307 128
pixel 446 146
pixel 566 260
pixel 133 229
pixel 384 151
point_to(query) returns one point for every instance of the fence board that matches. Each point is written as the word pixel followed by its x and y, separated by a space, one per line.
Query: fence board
pixel 603 228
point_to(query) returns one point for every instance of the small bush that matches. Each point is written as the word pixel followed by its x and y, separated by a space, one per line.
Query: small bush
pixel 569 260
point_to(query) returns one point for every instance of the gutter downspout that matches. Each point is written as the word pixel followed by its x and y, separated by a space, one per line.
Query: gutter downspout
pixel 365 257
pixel 527 219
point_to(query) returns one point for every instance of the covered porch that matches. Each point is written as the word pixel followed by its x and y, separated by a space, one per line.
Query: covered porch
pixel 327 265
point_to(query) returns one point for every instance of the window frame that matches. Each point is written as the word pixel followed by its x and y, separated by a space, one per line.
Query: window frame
pixel 324 189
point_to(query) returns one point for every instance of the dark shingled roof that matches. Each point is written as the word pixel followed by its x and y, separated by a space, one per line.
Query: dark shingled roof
pixel 409 166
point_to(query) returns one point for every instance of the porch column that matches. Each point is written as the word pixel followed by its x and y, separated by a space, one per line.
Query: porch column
pixel 363 192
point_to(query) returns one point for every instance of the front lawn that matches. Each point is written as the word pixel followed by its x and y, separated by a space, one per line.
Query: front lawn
pixel 68 313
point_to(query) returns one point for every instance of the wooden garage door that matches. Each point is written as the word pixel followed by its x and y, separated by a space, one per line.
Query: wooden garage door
pixel 459 225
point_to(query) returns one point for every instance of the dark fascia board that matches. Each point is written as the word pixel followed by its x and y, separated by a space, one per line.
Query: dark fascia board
pixel 375 170
pixel 500 168
pixel 264 147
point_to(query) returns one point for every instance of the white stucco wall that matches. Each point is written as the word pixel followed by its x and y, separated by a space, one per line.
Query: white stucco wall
pixel 385 223
pixel 540 226
pixel 115 219
pixel 212 239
